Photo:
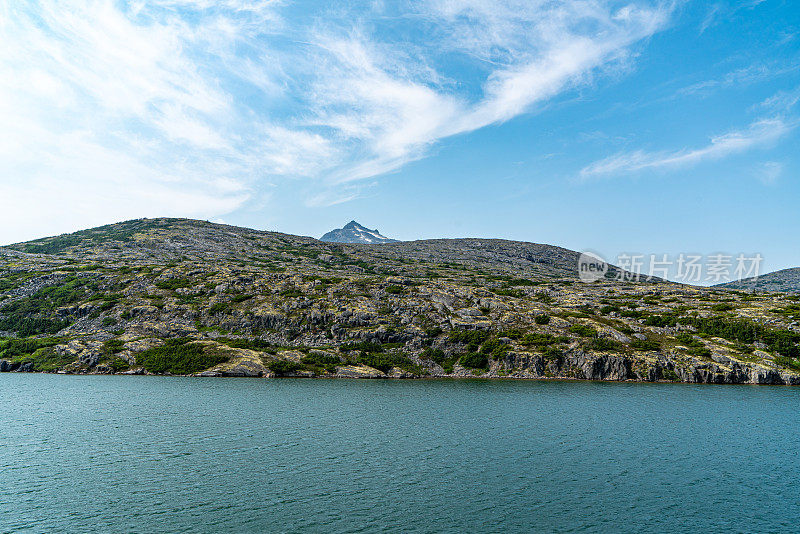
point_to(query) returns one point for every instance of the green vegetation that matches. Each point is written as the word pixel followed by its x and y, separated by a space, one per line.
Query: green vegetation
pixel 13 348
pixel 553 354
pixel 249 344
pixel 472 338
pixel 31 326
pixel 328 362
pixel 508 292
pixel 54 245
pixel 434 355
pixel 113 346
pixel 783 342
pixel 36 314
pixel 283 367
pixel 661 321
pixel 583 330
pixel 219 307
pixel 494 348
pixel 791 363
pixel 645 345
pixel 540 340
pixel 118 232
pixel 669 374
pixel 179 357
pixel 174 283
pixel 11 280
pixel 695 346
pixel 604 344
pixel 522 282
pixel 118 365
pixel 792 310
pixel 439 356
pixel 39 352
pixel 474 360
pixel 365 346
pixel 542 318
pixel 384 362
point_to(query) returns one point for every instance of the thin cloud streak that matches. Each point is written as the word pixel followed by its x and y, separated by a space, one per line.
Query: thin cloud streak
pixel 759 133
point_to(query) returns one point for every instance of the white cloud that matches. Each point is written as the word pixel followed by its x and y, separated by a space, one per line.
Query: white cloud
pixel 168 107
pixel 759 133
pixel 780 102
pixel 769 172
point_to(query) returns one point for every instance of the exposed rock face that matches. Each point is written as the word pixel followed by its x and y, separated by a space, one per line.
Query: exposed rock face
pixel 242 364
pixel 358 371
pixel 586 366
pixel 86 353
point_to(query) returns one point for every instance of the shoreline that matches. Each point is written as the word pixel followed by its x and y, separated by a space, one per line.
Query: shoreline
pixel 410 378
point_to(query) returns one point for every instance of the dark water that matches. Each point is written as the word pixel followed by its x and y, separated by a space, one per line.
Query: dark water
pixel 144 454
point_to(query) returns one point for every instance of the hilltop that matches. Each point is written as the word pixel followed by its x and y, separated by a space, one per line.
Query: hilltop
pixel 177 296
pixel 785 280
pixel 353 232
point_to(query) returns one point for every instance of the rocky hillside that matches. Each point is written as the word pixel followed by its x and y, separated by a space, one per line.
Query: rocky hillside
pixel 785 280
pixel 173 296
pixel 355 233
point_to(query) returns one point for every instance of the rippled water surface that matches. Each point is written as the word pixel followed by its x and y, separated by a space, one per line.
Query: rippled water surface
pixel 144 454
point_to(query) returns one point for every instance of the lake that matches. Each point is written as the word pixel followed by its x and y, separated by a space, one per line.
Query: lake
pixel 144 454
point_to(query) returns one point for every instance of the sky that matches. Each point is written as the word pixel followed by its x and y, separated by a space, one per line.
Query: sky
pixel 660 127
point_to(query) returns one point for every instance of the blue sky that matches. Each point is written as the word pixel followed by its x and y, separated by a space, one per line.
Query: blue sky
pixel 652 127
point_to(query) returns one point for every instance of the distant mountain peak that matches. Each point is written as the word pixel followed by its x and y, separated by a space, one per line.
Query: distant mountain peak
pixel 353 232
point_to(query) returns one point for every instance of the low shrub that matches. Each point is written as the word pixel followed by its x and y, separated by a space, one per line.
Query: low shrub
pixel 604 344
pixel 282 367
pixel 179 357
pixel 395 289
pixel 325 361
pixel 474 360
pixel 583 330
pixel 174 283
pixel 695 346
pixel 645 345
pixel 384 362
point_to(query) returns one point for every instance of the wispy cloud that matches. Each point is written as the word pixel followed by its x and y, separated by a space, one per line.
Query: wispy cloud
pixel 737 78
pixel 188 107
pixel 718 11
pixel 769 172
pixel 759 133
pixel 780 102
